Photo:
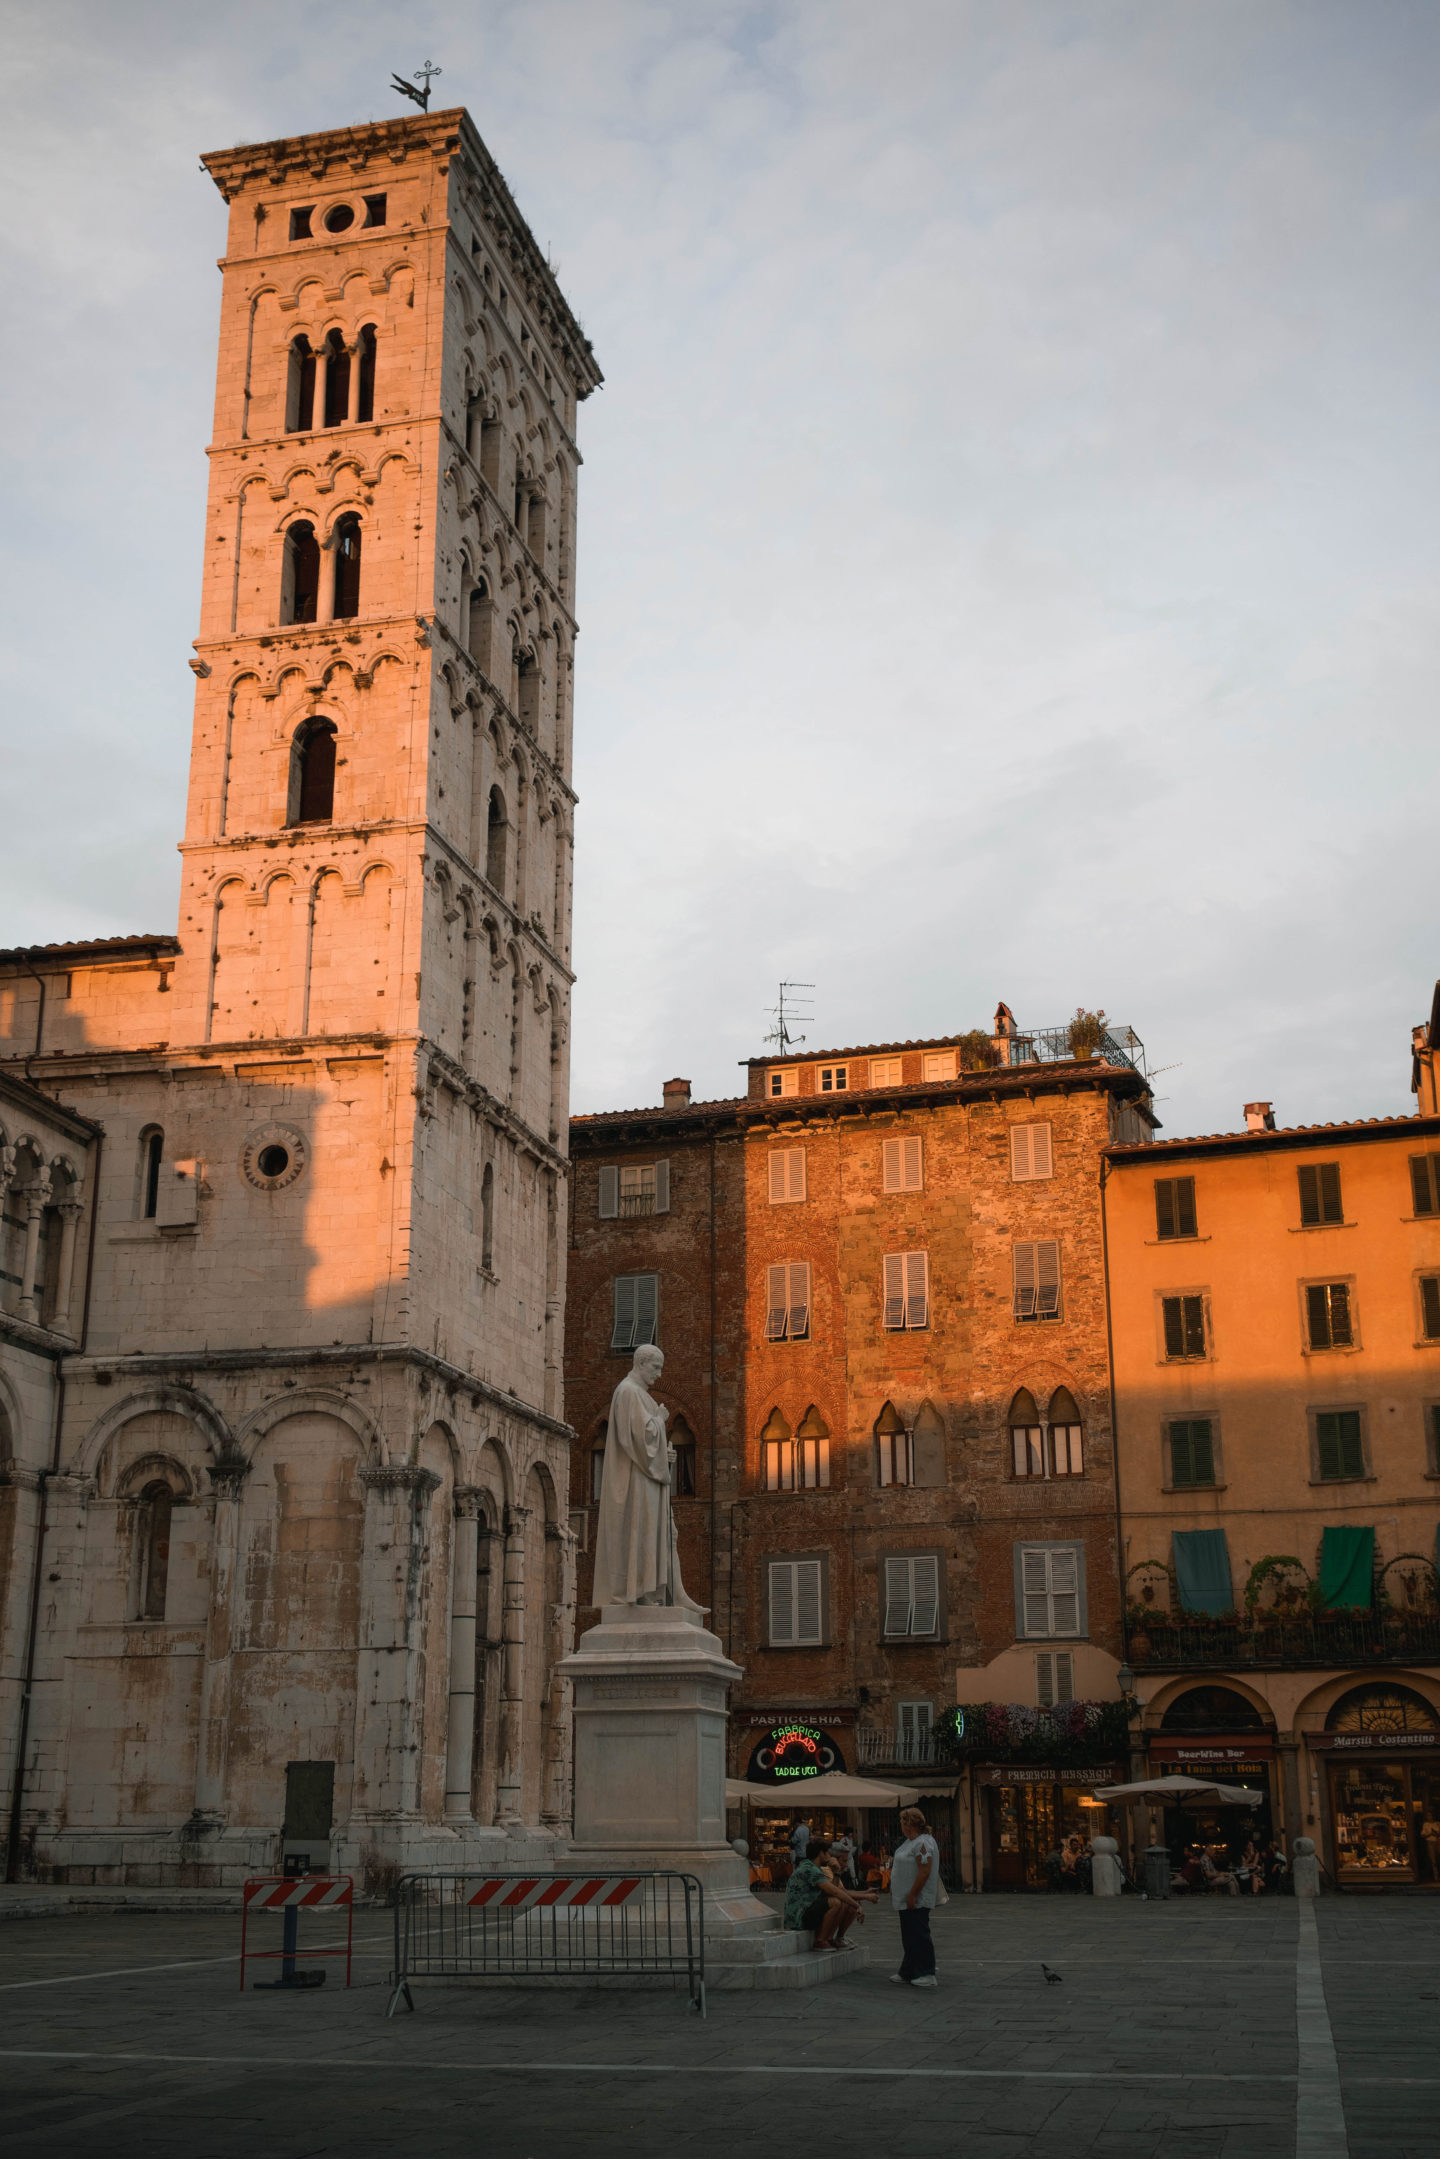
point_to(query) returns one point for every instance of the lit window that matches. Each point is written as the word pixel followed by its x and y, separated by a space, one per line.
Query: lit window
pixel 1328 1316
pixel 894 1455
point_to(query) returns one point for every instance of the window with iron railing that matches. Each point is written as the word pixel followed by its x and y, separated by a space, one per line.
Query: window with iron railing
pixel 634 1188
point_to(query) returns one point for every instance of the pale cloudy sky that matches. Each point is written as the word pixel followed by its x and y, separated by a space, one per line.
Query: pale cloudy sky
pixel 1009 545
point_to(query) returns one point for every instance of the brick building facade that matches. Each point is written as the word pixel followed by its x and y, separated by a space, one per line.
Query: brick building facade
pixel 878 1282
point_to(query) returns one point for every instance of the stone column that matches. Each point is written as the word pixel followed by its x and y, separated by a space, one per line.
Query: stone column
pixel 70 1211
pixel 352 402
pixel 322 372
pixel 63 1608
pixel 460 1739
pixel 555 1769
pixel 227 1482
pixel 36 1200
pixel 390 1676
pixel 509 1784
pixel 325 596
pixel 19 1533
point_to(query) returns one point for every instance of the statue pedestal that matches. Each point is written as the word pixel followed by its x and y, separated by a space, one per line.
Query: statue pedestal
pixel 650 1718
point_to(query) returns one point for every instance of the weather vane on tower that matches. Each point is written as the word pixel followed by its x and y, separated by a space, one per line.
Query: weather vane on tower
pixel 407 89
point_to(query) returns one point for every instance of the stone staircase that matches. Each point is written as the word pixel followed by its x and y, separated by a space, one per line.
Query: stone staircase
pixel 771 1960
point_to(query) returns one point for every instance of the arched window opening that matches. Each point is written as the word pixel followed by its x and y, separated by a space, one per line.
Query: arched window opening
pixel 347 568
pixel 487 1218
pixel 1027 1437
pixel 300 585
pixel 157 1503
pixel 534 527
pixel 682 1439
pixel 893 1457
pixel 527 691
pixel 777 1454
pixel 337 381
pixel 1067 1450
pixel 497 828
pixel 152 1154
pixel 490 439
pixel 812 1452
pixel 1383 1709
pixel 315 774
pixel 300 391
pixel 477 627
pixel 365 387
pixel 1211 1709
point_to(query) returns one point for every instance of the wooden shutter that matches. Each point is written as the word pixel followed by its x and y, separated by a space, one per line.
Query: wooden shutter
pixel 662 1188
pixel 912 1158
pixel 1045 1678
pixel 1165 1206
pixel 782 1601
pixel 1338 1443
pixel 1317 1304
pixel 647 1308
pixel 1172 1309
pixel 1341 1333
pixel 1024 1264
pixel 1065 1591
pixel 1194 1308
pixel 807 1601
pixel 799 1300
pixel 1330 1207
pixel 917 1289
pixel 622 1335
pixel 1064 1675
pixel 609 1192
pixel 1020 1169
pixel 899 1596
pixel 1430 1305
pixel 1040 1150
pixel 787 1174
pixel 925 1592
pixel 1309 1178
pixel 1185 1206
pixel 1035 1589
pixel 1423 1183
pixel 1047 1279
pixel 776 1302
pixel 894 1285
pixel 1202 1451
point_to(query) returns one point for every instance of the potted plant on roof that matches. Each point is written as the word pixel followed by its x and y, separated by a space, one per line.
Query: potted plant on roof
pixel 1087 1032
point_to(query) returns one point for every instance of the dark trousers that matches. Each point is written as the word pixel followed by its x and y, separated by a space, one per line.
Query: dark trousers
pixel 919 1959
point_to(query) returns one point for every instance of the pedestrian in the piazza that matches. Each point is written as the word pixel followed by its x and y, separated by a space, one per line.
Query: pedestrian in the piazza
pixel 914 1892
pixel 842 1851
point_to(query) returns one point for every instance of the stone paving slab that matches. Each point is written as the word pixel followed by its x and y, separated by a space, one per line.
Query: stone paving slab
pixel 1171 2036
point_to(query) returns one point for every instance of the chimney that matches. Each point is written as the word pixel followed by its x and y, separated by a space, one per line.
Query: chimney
pixel 1259 1117
pixel 677 1094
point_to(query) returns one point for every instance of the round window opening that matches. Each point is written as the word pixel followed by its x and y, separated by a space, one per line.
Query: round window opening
pixel 273 1157
pixel 273 1161
pixel 340 219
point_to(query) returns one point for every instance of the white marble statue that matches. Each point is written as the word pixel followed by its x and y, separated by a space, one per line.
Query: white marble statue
pixel 636 1561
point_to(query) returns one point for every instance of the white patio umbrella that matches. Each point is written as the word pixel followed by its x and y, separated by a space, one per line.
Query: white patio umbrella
pixel 836 1789
pixel 1192 1792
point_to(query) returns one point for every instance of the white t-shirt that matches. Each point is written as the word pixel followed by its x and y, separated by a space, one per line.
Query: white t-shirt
pixel 909 1858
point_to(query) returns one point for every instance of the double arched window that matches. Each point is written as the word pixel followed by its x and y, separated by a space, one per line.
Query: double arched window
pixel 300 578
pixel 1054 1448
pixel 303 582
pixel 331 387
pixel 497 826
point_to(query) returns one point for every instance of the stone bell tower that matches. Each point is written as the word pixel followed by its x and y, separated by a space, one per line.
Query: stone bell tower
pixel 324 1336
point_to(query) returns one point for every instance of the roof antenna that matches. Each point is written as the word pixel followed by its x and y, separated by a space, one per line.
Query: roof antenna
pixel 783 1013
pixel 422 74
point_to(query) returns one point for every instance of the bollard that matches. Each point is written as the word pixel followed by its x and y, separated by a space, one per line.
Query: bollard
pixel 1304 1867
pixel 1105 1875
pixel 1157 1871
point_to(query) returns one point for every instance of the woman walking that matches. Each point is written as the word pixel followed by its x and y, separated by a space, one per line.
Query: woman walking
pixel 914 1891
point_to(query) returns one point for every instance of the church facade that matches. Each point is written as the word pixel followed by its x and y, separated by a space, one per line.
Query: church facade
pixel 283 1465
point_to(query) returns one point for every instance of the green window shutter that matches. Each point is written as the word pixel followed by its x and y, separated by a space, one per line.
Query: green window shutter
pixel 1430 1305
pixel 1165 1206
pixel 1182 1469
pixel 1317 1304
pixel 1339 1444
pixel 1309 1193
pixel 1422 1183
pixel 1173 1309
pixel 1202 1570
pixel 1185 1206
pixel 1192 1452
pixel 1330 1207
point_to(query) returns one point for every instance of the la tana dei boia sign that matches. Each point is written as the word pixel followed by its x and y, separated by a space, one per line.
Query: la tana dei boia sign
pixel 788 1753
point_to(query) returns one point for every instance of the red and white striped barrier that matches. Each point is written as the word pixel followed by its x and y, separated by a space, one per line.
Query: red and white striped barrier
pixel 502 1892
pixel 272 1896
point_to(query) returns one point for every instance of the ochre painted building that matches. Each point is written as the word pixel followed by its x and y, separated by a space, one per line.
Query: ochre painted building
pixel 878 1282
pixel 297 1523
pixel 1275 1301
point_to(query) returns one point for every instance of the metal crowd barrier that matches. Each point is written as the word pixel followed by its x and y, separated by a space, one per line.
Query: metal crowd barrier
pixel 520 1926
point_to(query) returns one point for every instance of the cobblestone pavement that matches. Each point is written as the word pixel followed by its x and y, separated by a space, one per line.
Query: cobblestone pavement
pixel 1171 2036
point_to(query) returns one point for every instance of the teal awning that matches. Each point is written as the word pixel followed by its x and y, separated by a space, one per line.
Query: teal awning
pixel 1347 1569
pixel 1202 1570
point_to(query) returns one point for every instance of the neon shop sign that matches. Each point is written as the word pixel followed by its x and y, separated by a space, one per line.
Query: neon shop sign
pixel 790 1753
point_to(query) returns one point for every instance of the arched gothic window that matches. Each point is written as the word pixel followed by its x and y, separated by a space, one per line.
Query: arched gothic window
pixel 490 439
pixel 314 774
pixel 487 1218
pixel 477 627
pixel 300 389
pixel 1027 1437
pixel 147 1172
pixel 347 568
pixel 152 1530
pixel 1067 1448
pixel 497 827
pixel 365 388
pixel 300 582
pixel 337 381
pixel 812 1451
pixel 893 1460
pixel 777 1454
pixel 527 691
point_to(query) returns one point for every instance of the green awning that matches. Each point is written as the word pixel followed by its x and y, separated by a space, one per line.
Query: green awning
pixel 1202 1570
pixel 1347 1569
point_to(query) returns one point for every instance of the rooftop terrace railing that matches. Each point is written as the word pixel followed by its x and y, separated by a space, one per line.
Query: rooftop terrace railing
pixel 1051 1045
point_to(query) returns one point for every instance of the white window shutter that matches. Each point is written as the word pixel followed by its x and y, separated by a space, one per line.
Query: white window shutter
pixel 917 1289
pixel 1064 1676
pixel 1047 1278
pixel 925 1575
pixel 623 1333
pixel 609 1192
pixel 777 1175
pixel 799 1299
pixel 1020 1169
pixel 807 1600
pixel 894 1165
pixel 775 1303
pixel 1044 1679
pixel 894 1289
pixel 898 1596
pixel 1035 1588
pixel 1024 1258
pixel 647 1308
pixel 797 1172
pixel 1065 1592
pixel 662 1188
pixel 913 1179
pixel 1040 1150
pixel 782 1601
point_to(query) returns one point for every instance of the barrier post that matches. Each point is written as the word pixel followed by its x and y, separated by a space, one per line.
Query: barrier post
pixel 289 1896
